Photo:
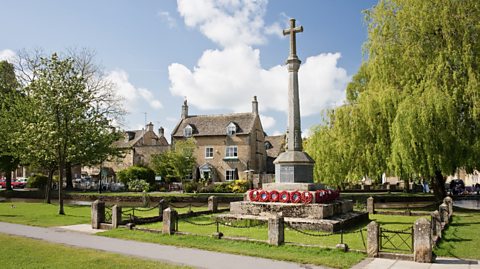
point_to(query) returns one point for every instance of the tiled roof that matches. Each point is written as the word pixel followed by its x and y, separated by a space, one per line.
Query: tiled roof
pixel 125 142
pixel 210 125
pixel 278 145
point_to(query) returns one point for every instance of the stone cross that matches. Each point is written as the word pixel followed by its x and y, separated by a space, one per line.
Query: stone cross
pixel 294 139
pixel 293 42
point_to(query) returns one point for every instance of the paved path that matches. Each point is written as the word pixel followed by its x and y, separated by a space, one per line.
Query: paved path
pixel 183 256
pixel 441 263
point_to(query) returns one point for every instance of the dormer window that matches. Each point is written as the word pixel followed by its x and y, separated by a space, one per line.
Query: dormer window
pixel 268 145
pixel 231 129
pixel 187 131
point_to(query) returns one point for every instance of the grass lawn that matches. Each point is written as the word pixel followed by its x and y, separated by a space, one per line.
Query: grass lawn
pixel 156 194
pixel 149 212
pixel 462 238
pixel 41 214
pixel 331 258
pixel 351 237
pixel 30 253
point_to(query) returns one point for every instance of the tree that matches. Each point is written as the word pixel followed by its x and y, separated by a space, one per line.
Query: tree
pixel 413 107
pixel 63 120
pixel 103 100
pixel 178 163
pixel 8 89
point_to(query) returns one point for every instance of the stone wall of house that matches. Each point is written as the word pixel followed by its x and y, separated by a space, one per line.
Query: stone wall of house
pixel 219 162
pixel 120 163
pixel 144 154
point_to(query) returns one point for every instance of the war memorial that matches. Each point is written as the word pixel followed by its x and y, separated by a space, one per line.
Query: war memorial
pixel 294 195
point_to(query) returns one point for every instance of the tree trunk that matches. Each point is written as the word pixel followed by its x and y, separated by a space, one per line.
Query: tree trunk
pixel 8 180
pixel 438 185
pixel 48 187
pixel 68 175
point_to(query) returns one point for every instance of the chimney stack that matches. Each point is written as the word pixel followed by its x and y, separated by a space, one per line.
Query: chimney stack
pixel 161 132
pixel 185 109
pixel 254 105
pixel 150 127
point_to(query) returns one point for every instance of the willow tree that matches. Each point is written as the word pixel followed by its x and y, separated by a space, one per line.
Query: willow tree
pixel 416 97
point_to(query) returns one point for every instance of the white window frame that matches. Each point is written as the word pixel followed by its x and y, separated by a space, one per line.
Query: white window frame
pixel 188 131
pixel 231 152
pixel 207 151
pixel 231 129
pixel 230 175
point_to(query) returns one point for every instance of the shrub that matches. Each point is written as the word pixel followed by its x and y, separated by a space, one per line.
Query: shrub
pixel 223 187
pixel 138 185
pixel 37 181
pixel 190 186
pixel 240 186
pixel 137 172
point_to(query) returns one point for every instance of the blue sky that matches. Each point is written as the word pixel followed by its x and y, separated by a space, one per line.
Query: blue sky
pixel 217 53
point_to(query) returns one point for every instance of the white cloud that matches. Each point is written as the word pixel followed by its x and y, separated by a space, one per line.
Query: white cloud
pixel 306 133
pixel 267 121
pixel 228 78
pixel 131 94
pixel 274 29
pixel 167 18
pixel 226 22
pixel 277 132
pixel 7 55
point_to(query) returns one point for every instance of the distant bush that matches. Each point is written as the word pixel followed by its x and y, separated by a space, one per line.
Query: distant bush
pixel 135 173
pixel 240 186
pixel 191 186
pixel 138 185
pixel 37 181
pixel 223 187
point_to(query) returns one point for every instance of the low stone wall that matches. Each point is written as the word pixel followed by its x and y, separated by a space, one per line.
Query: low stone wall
pixel 426 233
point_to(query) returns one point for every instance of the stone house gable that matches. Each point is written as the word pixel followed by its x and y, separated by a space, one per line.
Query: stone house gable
pixel 138 147
pixel 228 145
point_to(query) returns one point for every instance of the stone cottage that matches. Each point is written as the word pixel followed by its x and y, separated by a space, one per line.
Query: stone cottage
pixel 137 146
pixel 229 146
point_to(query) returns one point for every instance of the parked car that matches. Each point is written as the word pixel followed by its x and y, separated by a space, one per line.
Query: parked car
pixel 19 183
pixel 3 183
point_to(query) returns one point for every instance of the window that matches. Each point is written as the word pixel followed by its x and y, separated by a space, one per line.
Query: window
pixel 268 145
pixel 231 152
pixel 208 152
pixel 231 129
pixel 187 132
pixel 230 174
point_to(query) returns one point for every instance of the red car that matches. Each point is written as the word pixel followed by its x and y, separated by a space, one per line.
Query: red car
pixel 16 183
pixel 19 183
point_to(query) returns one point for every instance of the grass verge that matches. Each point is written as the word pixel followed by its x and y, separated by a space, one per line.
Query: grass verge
pixel 41 214
pixel 30 253
pixel 305 255
pixel 461 238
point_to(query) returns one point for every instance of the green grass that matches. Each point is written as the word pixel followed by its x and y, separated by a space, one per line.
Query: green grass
pixel 461 239
pixel 156 194
pixel 41 214
pixel 144 212
pixel 19 252
pixel 352 236
pixel 307 255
